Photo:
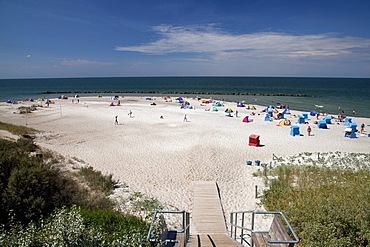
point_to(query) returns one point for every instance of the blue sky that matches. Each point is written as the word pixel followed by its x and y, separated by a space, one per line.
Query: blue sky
pixel 96 38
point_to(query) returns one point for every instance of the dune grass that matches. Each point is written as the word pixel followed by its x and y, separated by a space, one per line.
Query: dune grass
pixel 326 197
pixel 17 129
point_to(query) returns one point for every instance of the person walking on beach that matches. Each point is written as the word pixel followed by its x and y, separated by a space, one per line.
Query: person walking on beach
pixel 185 118
pixel 116 120
pixel 130 113
pixel 309 130
pixel 362 128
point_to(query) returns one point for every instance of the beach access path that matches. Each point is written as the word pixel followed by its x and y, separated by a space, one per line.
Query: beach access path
pixel 208 226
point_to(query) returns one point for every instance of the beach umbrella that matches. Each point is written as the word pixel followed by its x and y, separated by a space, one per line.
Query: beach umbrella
pixel 313 113
pixel 228 110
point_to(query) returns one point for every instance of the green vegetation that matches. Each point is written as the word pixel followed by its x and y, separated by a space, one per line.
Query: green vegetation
pixel 96 180
pixel 326 200
pixel 26 109
pixel 16 129
pixel 76 227
pixel 44 204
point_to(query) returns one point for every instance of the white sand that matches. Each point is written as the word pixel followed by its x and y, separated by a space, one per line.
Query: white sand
pixel 163 157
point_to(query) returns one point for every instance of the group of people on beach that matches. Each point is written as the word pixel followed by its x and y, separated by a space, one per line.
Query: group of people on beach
pixel 116 117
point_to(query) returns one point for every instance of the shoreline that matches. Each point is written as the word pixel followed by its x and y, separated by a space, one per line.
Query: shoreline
pixel 179 93
pixel 162 157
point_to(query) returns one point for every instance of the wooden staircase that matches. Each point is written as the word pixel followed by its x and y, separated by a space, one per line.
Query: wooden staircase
pixel 208 226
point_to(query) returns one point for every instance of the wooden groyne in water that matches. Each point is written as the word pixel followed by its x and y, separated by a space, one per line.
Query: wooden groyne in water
pixel 165 93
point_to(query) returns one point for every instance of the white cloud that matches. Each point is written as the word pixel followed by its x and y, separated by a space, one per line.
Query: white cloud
pixel 83 62
pixel 216 44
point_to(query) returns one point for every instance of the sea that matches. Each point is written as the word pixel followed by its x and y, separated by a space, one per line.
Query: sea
pixel 331 95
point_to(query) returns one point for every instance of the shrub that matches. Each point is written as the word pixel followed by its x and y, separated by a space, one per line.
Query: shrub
pixel 75 227
pixel 24 109
pixel 96 180
pixel 327 206
pixel 113 225
pixel 29 187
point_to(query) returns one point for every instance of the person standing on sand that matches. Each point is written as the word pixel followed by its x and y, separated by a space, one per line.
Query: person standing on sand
pixel 130 113
pixel 116 120
pixel 185 118
pixel 362 128
pixel 309 130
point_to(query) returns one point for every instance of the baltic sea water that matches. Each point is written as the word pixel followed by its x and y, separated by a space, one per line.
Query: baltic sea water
pixel 351 94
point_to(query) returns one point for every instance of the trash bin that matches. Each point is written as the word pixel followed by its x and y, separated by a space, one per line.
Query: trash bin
pixel 254 140
pixel 257 162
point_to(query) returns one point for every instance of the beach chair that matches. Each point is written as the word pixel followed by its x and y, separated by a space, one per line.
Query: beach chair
pixel 294 131
pixel 327 119
pixel 301 120
pixel 322 124
pixel 347 121
pixel 352 133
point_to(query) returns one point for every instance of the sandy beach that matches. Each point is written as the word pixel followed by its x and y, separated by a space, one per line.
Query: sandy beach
pixel 163 156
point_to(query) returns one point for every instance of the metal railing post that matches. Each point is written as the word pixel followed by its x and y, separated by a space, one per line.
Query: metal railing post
pixel 242 231
pixel 187 235
pixel 235 223
pixel 231 224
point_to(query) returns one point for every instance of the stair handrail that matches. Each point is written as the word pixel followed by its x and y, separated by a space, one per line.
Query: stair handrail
pixel 234 226
pixel 185 227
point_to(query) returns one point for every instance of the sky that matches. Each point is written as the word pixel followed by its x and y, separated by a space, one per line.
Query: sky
pixel 114 38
